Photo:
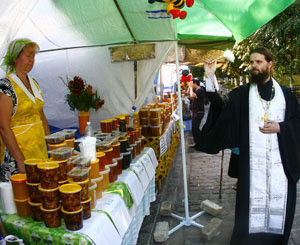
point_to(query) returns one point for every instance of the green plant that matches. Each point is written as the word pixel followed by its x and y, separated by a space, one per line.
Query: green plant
pixel 81 96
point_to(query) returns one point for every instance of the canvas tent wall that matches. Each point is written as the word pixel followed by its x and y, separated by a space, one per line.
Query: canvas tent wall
pixel 74 34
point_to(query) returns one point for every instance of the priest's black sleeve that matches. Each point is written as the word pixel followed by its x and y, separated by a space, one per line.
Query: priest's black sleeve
pixel 289 137
pixel 222 126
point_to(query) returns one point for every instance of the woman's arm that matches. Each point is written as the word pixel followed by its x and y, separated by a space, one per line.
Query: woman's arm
pixel 45 123
pixel 6 108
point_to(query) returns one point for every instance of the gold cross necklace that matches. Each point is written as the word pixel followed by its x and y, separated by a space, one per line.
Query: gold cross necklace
pixel 265 117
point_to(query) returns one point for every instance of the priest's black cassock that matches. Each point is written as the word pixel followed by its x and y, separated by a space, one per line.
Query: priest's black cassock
pixel 227 126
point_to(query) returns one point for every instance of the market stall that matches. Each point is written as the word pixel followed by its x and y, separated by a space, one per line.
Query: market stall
pixel 116 218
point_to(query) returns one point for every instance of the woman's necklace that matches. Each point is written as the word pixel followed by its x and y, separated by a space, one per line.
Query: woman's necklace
pixel 265 117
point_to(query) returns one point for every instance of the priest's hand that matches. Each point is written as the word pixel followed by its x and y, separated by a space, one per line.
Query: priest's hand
pixel 270 127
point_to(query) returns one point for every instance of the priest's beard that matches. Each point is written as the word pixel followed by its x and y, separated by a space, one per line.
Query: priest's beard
pixel 259 78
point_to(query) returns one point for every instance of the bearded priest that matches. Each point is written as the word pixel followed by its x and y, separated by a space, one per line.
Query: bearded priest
pixel 262 119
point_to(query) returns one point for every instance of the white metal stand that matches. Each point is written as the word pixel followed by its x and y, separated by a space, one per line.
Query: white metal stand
pixel 187 220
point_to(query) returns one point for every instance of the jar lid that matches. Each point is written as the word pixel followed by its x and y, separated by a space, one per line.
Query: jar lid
pixel 103 121
pixel 46 190
pixel 100 154
pixel 32 184
pixel 99 178
pixel 34 203
pixel 21 200
pixel 81 182
pixel 59 145
pixel 18 178
pixel 62 161
pixel 70 188
pixel 122 117
pixel 108 150
pixel 106 171
pixel 63 182
pixel 96 161
pixel 33 161
pixel 86 201
pixel 73 212
pixel 72 139
pixel 118 158
pixel 48 165
pixel 49 210
pixel 116 144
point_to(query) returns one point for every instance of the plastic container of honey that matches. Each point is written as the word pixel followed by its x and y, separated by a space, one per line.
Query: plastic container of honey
pixel 99 188
pixel 155 121
pixel 62 153
pixel 109 156
pixel 52 217
pixel 63 170
pixel 138 148
pixel 142 139
pixel 106 126
pixel 50 197
pixel 56 146
pixel 55 138
pixel 155 113
pixel 36 212
pixel 86 205
pixel 131 136
pixel 73 220
pixel 119 166
pixel 114 124
pixel 145 130
pixel 113 172
pixel 156 131
pixel 82 162
pixel 49 172
pixel 78 174
pixel 19 186
pixel 126 159
pixel 23 208
pixel 69 133
pixel 84 188
pixel 34 193
pixel 94 172
pixel 124 144
pixel 32 173
pixel 105 181
pixel 144 121
pixel 92 194
pixel 143 112
pixel 101 157
pixel 70 195
pixel 116 150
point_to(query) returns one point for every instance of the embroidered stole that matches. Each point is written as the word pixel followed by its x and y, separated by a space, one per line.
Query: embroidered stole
pixel 268 183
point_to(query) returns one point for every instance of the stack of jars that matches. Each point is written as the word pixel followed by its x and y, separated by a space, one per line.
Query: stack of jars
pixel 79 175
pixel 21 195
pixel 155 122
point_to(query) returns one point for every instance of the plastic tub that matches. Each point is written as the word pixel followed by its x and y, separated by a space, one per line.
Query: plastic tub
pixel 84 188
pixel 99 188
pixel 92 194
pixel 78 174
pixel 34 193
pixel 63 170
pixel 62 153
pixel 124 144
pixel 50 197
pixel 60 183
pixel 155 131
pixel 144 121
pixel 145 130
pixel 70 195
pixel 126 159
pixel 19 186
pixel 94 172
pixel 119 166
pixel 105 181
pixel 86 205
pixel 101 157
pixel 103 145
pixel 73 220
pixel 155 121
pixel 143 112
pixel 138 148
pixel 69 133
pixel 155 113
pixel 32 172
pixel 49 172
pixel 55 138
pixel 52 217
pixel 82 162
pixel 36 212
pixel 70 142
pixel 23 208
pixel 116 150
pixel 113 172
pixel 109 156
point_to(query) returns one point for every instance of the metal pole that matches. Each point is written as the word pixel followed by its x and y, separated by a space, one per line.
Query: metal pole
pixel 221 176
pixel 186 200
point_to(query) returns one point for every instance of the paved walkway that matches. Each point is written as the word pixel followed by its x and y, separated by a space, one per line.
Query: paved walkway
pixel 203 175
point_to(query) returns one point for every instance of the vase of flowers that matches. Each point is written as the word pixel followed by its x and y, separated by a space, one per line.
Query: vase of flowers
pixel 82 98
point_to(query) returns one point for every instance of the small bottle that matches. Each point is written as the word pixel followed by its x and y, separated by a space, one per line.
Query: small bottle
pixel 131 124
pixel 88 130
pixel 122 124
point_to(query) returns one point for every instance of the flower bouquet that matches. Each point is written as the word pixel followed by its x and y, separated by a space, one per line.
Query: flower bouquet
pixel 82 98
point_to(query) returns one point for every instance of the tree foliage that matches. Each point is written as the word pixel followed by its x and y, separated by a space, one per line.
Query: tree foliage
pixel 281 36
